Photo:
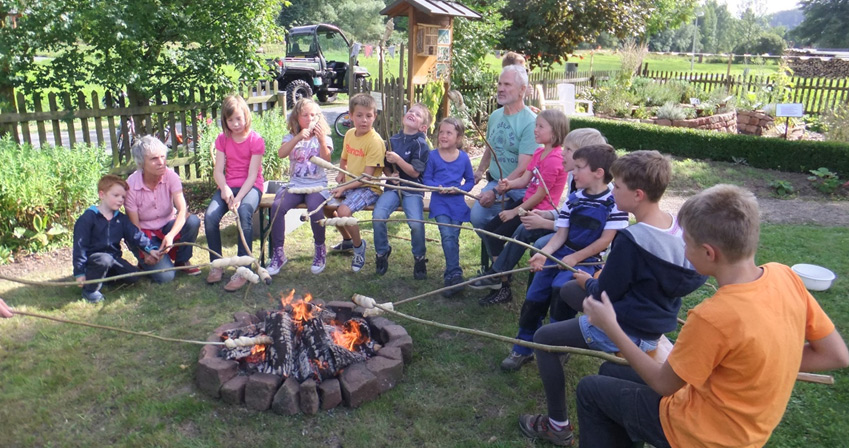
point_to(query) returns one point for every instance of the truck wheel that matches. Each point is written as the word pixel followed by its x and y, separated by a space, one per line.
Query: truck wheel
pixel 325 97
pixel 296 90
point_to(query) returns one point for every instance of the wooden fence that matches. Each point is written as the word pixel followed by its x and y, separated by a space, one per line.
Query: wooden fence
pixel 66 120
pixel 817 94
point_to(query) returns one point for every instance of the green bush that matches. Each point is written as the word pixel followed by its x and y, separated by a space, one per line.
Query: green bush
pixel 670 111
pixel 43 191
pixel 768 153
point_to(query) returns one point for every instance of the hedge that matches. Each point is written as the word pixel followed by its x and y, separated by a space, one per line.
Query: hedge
pixel 759 152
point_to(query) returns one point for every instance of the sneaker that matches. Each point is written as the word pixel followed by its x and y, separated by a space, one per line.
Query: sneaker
pixel 190 270
pixel 359 257
pixel 215 275
pixel 538 427
pixel 515 361
pixel 320 259
pixel 344 246
pixel 236 282
pixel 93 297
pixel 487 283
pixel 420 268
pixel 278 260
pixel 382 262
pixel 503 295
pixel 455 280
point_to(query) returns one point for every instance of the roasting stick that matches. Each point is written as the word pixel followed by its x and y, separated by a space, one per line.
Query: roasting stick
pixel 229 343
pixel 370 304
pixel 413 186
pixel 457 98
pixel 351 221
pixel 221 262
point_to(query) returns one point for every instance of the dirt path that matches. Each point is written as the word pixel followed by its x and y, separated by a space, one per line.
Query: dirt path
pixel 785 211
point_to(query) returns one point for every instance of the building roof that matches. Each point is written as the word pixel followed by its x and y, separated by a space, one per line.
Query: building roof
pixel 432 7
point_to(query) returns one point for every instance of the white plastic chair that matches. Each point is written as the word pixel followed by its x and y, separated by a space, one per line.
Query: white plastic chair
pixel 565 100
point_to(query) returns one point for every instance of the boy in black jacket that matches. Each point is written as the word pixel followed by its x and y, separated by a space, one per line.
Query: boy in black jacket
pixel 645 275
pixel 97 239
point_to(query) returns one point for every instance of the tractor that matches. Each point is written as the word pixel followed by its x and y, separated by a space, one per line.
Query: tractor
pixel 316 63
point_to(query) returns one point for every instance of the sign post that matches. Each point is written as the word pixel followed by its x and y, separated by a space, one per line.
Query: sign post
pixel 788 110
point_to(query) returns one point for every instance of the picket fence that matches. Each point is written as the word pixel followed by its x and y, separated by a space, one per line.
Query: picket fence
pixel 67 119
pixel 817 94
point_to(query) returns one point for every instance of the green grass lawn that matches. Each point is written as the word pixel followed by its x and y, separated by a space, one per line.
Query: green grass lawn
pixel 64 385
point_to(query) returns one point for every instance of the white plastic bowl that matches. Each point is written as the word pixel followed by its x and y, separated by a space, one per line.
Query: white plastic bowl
pixel 816 278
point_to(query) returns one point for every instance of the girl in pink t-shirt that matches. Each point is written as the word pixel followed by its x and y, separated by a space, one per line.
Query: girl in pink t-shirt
pixel 238 175
pixel 544 179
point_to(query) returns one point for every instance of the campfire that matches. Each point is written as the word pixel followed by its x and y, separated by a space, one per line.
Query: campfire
pixel 306 356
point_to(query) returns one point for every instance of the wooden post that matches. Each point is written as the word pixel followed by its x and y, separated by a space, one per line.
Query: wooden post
pixel 730 58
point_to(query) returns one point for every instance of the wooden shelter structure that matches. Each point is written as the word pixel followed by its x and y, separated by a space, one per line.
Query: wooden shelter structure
pixel 430 37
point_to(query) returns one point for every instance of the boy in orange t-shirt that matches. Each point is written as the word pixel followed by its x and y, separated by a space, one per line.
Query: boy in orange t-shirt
pixel 729 377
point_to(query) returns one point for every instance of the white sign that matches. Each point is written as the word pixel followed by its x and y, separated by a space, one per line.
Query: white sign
pixel 378 98
pixel 789 110
pixel 695 101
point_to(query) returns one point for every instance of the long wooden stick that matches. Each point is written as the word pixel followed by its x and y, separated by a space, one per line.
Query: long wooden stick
pixel 485 232
pixel 120 330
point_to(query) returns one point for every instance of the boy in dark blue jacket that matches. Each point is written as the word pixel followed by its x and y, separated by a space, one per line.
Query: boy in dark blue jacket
pixel 407 160
pixel 645 276
pixel 97 239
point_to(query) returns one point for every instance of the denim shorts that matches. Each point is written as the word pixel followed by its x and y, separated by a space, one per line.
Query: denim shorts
pixel 598 340
pixel 359 198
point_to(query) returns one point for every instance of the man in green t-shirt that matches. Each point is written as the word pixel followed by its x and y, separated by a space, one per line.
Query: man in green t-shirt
pixel 510 132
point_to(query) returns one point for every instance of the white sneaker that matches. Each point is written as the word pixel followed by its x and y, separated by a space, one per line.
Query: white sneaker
pixel 278 260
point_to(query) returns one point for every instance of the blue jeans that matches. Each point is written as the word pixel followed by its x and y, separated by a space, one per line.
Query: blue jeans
pixel 512 253
pixel 545 284
pixel 413 205
pixel 102 265
pixel 218 208
pixel 450 246
pixel 482 215
pixel 188 234
pixel 616 408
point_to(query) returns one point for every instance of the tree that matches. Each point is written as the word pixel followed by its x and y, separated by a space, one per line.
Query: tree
pixel 359 19
pixel 825 23
pixel 473 42
pixel 146 45
pixel 668 15
pixel 546 31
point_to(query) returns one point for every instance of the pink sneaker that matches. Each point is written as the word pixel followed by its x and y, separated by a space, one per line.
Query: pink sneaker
pixel 278 260
pixel 320 259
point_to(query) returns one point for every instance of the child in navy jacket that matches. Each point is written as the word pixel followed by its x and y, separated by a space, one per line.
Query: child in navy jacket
pixel 97 239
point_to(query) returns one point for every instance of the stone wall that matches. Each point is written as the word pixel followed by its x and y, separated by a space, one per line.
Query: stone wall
pixel 753 122
pixel 726 122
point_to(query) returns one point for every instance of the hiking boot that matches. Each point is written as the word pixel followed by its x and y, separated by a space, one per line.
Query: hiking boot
pixel 190 270
pixel 278 260
pixel 503 295
pixel 455 280
pixel 486 283
pixel 359 257
pixel 215 275
pixel 236 282
pixel 515 361
pixel 538 427
pixel 93 297
pixel 344 246
pixel 420 268
pixel 382 262
pixel 320 259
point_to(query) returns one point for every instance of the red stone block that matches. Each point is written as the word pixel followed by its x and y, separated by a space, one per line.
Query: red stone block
pixel 212 373
pixel 358 384
pixel 388 371
pixel 233 391
pixel 286 399
pixel 260 390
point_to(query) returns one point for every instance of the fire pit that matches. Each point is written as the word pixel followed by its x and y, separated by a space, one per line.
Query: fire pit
pixel 304 357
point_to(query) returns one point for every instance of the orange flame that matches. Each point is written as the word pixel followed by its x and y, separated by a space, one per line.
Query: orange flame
pixel 349 337
pixel 288 299
pixel 257 354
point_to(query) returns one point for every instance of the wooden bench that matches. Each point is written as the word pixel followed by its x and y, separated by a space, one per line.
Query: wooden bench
pixel 264 210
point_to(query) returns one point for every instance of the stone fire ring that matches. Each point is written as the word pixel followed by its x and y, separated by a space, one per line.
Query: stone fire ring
pixel 357 384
